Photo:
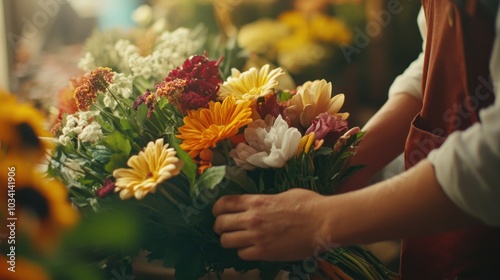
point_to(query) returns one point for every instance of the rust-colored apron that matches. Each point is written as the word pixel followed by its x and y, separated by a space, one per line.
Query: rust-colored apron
pixel 456 84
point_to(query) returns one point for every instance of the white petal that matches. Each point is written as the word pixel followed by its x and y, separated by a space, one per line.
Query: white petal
pixel 258 159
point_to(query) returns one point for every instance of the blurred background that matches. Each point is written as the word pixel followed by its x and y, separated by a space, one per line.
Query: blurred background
pixel 360 46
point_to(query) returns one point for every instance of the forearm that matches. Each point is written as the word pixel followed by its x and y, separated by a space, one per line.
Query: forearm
pixel 385 138
pixel 409 204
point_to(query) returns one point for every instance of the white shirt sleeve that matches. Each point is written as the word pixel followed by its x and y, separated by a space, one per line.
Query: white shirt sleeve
pixel 410 82
pixel 467 166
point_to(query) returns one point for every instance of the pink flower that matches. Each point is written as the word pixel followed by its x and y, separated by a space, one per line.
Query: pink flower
pixel 328 127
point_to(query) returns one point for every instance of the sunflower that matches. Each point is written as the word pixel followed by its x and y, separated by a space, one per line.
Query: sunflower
pixel 204 128
pixel 312 99
pixel 152 166
pixel 21 125
pixel 42 208
pixel 250 84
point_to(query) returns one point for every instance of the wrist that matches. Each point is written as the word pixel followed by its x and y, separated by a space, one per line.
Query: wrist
pixel 327 236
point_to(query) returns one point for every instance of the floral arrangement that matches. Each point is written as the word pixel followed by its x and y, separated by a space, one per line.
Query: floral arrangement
pixel 168 150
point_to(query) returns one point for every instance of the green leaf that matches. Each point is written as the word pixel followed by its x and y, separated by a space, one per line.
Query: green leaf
pixel 141 116
pixel 105 125
pixel 125 124
pixel 240 178
pixel 324 151
pixel 210 179
pixel 100 153
pixel 190 169
pixel 116 161
pixel 119 143
pixel 284 96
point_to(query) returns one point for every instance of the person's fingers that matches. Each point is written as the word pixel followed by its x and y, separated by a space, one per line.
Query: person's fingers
pixel 229 222
pixel 237 239
pixel 229 204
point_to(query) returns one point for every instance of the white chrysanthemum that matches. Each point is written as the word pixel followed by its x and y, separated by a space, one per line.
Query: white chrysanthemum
pixel 269 145
pixel 87 62
pixel 250 84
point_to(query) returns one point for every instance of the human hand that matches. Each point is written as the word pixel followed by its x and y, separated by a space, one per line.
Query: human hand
pixel 282 227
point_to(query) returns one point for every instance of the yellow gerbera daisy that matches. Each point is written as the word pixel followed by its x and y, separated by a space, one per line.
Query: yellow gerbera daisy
pixel 250 84
pixel 204 128
pixel 152 166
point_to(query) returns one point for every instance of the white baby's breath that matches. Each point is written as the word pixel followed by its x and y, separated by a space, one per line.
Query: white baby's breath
pixel 81 125
pixel 171 49
pixel 87 62
pixel 91 133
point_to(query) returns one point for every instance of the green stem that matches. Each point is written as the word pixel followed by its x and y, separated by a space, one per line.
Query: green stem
pixel 118 102
pixel 169 197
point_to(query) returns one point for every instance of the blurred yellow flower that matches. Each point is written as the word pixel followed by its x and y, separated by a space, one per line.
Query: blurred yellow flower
pixel 152 166
pixel 24 269
pixel 250 84
pixel 42 207
pixel 313 98
pixel 296 40
pixel 329 29
pixel 21 125
pixel 204 128
pixel 260 36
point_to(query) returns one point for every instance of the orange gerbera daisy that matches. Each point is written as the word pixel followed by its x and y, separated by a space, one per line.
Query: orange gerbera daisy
pixel 204 128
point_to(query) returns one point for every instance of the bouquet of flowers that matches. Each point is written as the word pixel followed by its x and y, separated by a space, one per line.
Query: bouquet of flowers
pixel 168 149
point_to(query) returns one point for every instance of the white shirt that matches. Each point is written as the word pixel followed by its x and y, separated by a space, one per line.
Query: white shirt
pixel 467 165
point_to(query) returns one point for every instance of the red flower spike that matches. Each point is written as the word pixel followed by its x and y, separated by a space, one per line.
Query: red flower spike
pixel 108 188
